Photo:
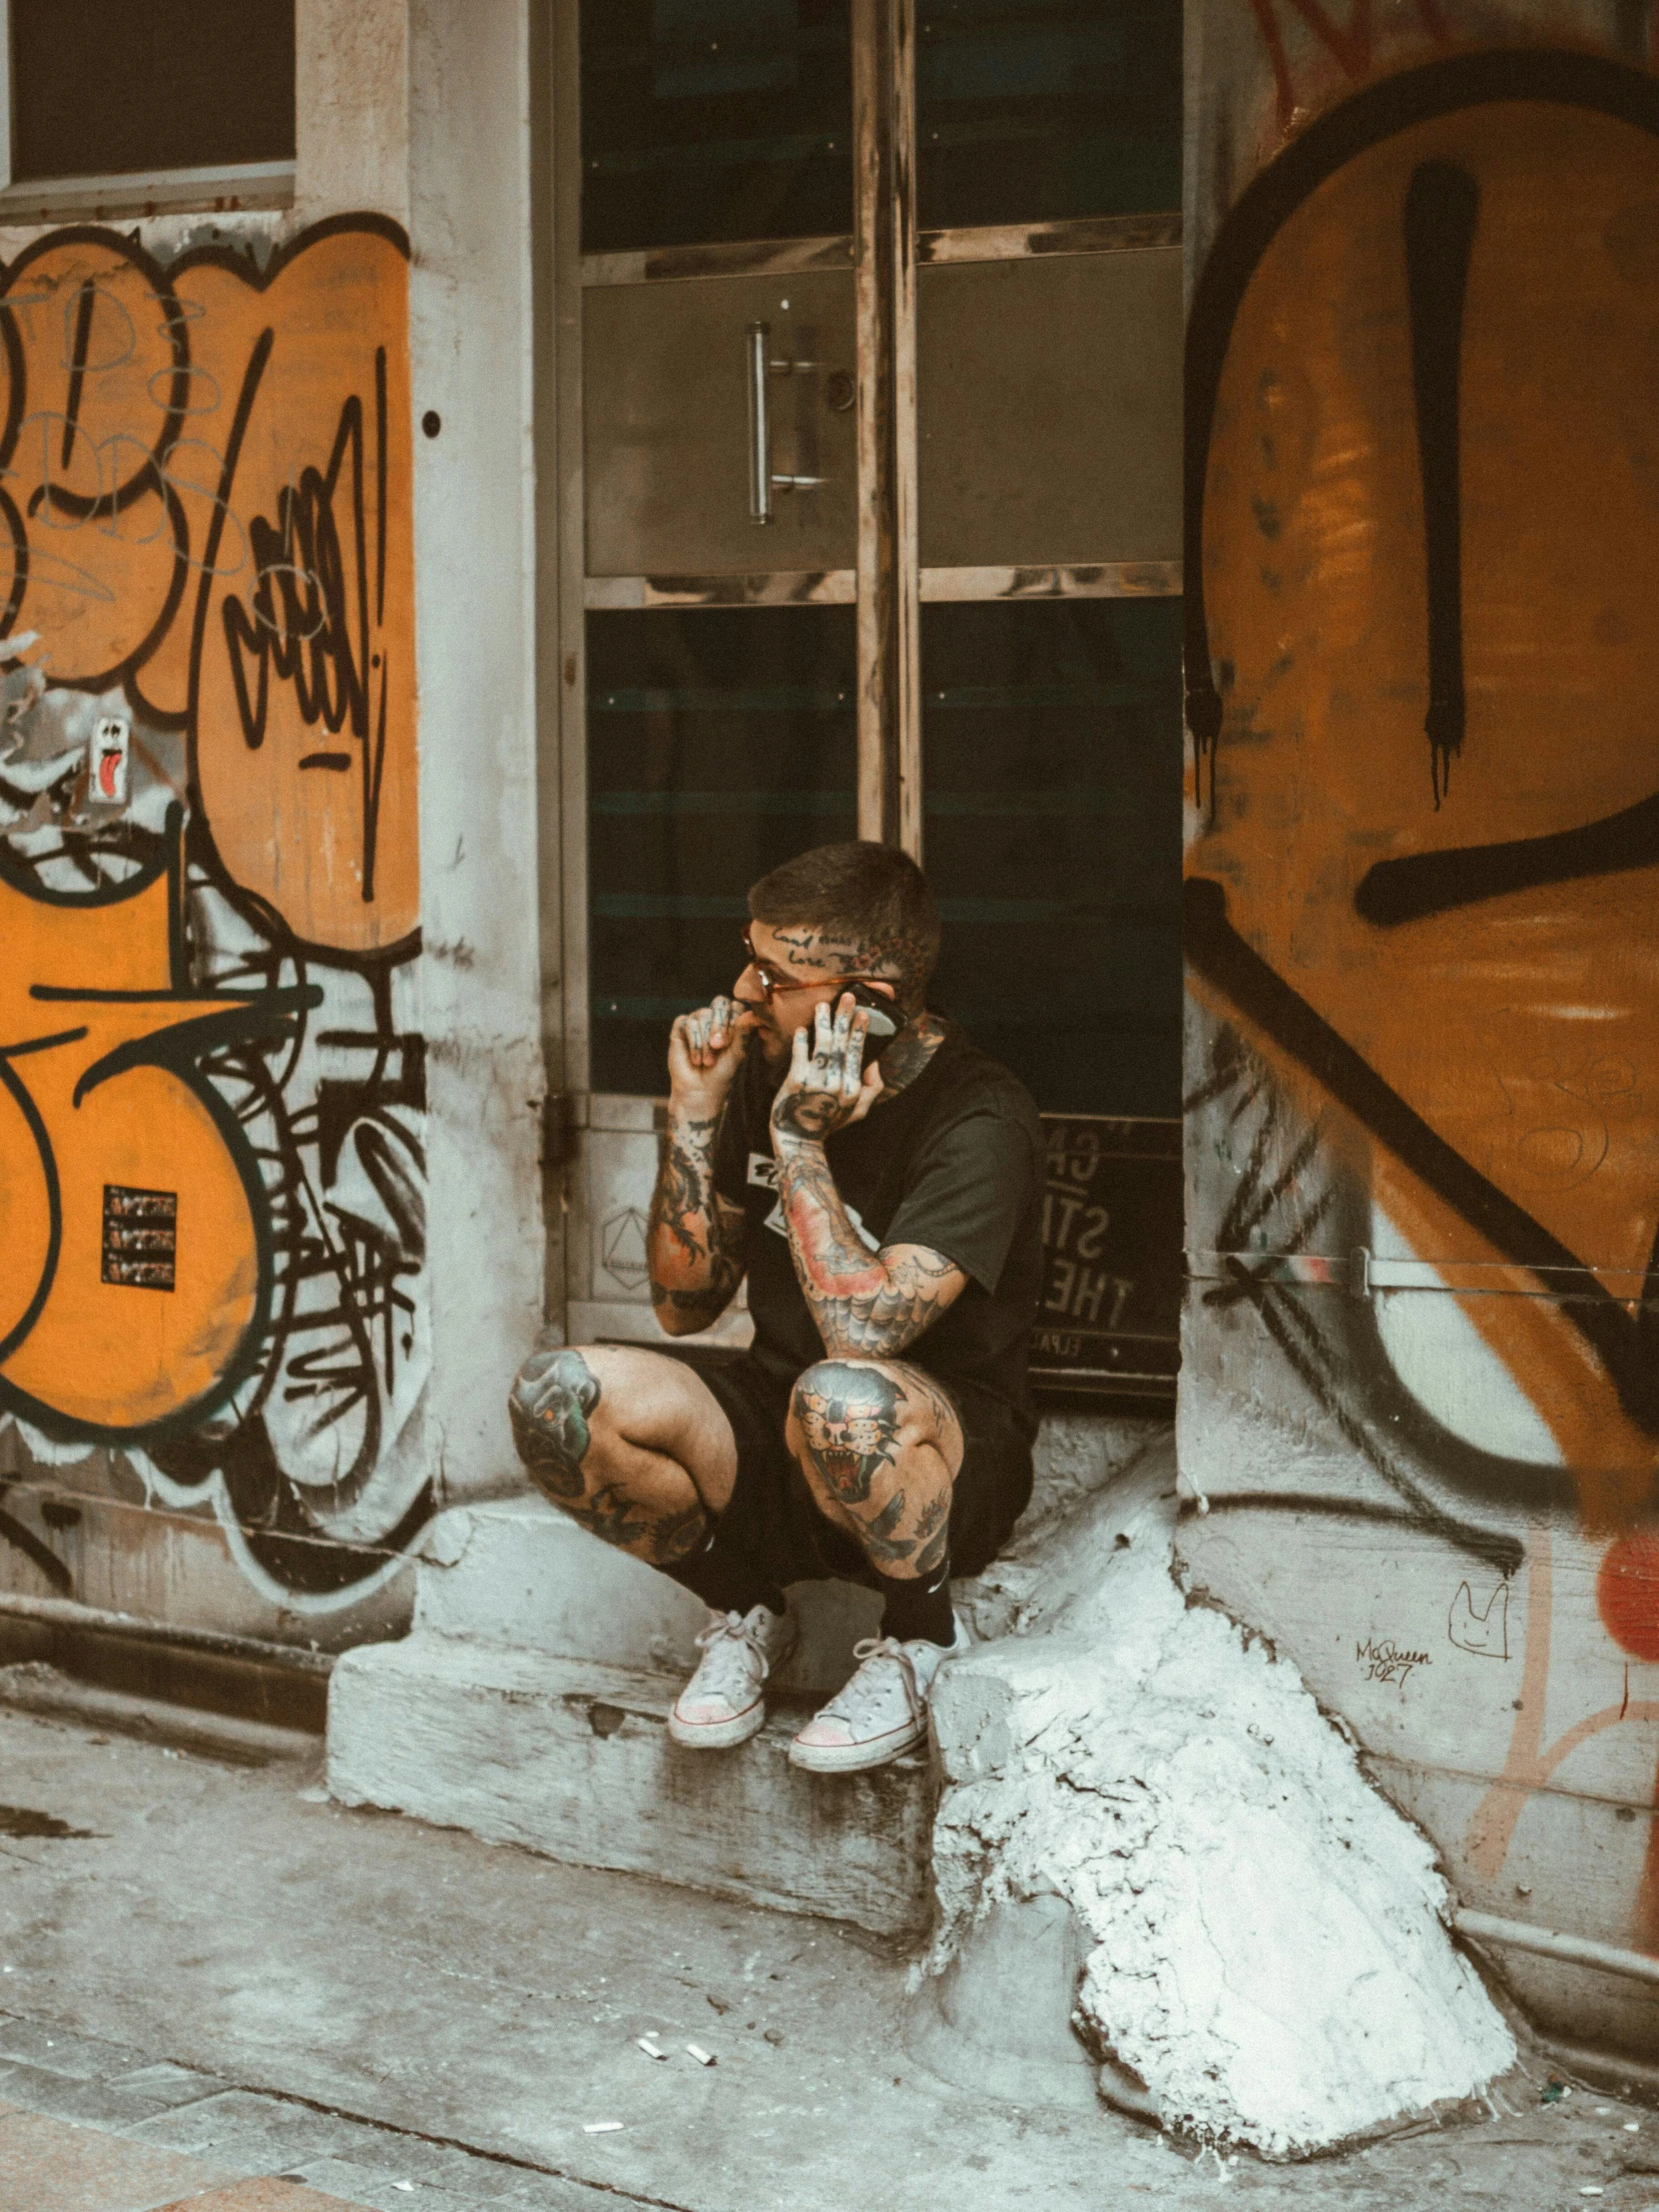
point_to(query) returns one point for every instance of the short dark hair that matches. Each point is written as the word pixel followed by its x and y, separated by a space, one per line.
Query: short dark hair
pixel 869 894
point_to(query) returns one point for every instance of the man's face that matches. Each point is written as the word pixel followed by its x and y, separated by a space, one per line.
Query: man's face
pixel 808 968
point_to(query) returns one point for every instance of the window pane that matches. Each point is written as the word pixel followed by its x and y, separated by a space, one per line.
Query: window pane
pixel 106 88
pixel 1052 746
pixel 1031 111
pixel 704 120
pixel 719 742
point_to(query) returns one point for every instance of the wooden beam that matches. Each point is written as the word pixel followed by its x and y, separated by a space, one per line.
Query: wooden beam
pixel 888 599
pixel 565 1014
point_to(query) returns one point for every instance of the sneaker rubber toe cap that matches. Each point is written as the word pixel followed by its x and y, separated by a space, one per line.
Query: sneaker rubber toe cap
pixel 822 1734
pixel 710 1713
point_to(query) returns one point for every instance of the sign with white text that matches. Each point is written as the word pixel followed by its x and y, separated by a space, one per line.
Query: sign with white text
pixel 1110 1319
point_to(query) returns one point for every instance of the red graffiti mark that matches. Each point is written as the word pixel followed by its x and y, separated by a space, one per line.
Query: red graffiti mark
pixel 1351 47
pixel 1283 90
pixel 1627 1594
pixel 1635 1578
pixel 1627 1598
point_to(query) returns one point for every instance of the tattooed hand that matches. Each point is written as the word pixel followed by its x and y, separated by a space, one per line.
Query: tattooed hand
pixel 704 1052
pixel 827 1086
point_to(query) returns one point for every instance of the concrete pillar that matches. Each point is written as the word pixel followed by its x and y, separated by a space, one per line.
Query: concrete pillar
pixel 472 343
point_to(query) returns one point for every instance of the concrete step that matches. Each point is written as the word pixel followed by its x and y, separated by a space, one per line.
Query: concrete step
pixel 529 1706
pixel 520 1572
pixel 573 1759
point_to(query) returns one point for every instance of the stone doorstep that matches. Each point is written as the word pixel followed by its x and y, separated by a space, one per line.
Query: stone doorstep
pixel 529 1705
pixel 515 1571
pixel 521 1574
pixel 572 1759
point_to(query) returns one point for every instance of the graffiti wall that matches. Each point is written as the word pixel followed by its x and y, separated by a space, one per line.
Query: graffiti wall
pixel 1420 1397
pixel 212 1076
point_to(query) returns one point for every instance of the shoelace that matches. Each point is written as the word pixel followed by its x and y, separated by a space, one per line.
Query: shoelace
pixel 733 1632
pixel 850 1704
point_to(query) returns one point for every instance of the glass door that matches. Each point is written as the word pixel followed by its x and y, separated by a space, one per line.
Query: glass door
pixel 709 470
pixel 869 324
pixel 1048 345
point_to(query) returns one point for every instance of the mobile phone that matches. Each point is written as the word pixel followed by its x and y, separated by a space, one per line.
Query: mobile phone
pixel 887 1020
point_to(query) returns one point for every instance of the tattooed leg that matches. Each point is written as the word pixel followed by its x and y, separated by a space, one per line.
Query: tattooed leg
pixel 880 1446
pixel 551 1400
pixel 632 1445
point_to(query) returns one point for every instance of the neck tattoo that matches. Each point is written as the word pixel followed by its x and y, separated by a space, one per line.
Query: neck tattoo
pixel 911 1052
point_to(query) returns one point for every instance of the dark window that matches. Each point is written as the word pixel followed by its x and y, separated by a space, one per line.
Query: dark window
pixel 719 742
pixel 1031 111
pixel 1052 742
pixel 106 88
pixel 710 120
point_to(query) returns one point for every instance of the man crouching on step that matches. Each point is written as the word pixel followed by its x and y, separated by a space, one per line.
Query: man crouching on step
pixel 878 1431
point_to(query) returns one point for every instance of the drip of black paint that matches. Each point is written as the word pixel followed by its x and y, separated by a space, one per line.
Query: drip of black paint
pixel 1443 203
pixel 87 299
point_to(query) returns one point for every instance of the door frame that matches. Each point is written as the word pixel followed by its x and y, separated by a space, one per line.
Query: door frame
pixel 887 585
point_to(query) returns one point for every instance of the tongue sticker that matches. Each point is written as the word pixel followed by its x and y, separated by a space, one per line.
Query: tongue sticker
pixel 110 757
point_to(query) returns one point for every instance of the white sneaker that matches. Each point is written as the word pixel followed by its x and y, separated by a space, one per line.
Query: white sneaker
pixel 882 1711
pixel 723 1702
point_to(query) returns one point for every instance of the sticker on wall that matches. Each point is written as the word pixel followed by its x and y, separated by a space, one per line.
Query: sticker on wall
pixel 622 1248
pixel 108 761
pixel 141 1238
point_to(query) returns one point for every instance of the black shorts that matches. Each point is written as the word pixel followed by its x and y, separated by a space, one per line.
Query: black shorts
pixel 772 1516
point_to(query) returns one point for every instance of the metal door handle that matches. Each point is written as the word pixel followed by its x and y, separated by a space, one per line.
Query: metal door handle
pixel 761 482
pixel 759 336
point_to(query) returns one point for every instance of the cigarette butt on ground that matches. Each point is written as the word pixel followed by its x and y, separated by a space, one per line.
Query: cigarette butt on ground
pixel 703 2058
pixel 601 2127
pixel 649 2047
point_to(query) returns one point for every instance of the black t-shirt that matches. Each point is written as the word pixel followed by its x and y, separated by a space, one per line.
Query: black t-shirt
pixel 953 1161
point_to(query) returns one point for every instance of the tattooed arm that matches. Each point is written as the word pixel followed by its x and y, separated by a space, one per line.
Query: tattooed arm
pixel 695 1246
pixel 868 1305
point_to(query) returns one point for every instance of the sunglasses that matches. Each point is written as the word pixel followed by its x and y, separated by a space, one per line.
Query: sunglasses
pixel 770 980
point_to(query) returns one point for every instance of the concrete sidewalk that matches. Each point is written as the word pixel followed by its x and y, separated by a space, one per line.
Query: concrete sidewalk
pixel 51 2165
pixel 119 2152
pixel 373 2002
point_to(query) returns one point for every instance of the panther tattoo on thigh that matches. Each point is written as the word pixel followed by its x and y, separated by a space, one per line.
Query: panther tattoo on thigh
pixel 850 1420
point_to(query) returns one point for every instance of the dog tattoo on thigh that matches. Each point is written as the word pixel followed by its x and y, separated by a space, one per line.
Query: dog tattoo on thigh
pixel 549 1407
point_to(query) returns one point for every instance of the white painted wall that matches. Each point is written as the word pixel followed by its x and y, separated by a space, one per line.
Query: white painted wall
pixel 475 563
pixel 352 108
